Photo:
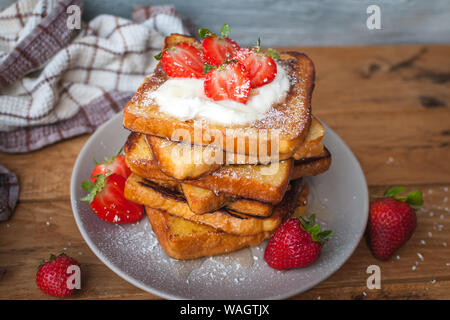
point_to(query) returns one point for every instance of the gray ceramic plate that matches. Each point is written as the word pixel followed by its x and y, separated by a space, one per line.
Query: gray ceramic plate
pixel 339 197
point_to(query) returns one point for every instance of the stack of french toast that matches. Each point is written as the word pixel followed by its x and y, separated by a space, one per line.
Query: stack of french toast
pixel 210 188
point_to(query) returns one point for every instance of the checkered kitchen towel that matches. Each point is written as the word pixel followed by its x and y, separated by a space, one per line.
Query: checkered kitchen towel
pixel 57 82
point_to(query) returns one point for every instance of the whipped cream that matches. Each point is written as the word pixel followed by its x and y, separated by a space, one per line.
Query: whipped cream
pixel 185 99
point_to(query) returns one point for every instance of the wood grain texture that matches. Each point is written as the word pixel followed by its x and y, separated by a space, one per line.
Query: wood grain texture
pixel 371 96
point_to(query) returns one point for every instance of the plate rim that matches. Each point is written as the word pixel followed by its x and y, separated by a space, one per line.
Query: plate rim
pixel 163 294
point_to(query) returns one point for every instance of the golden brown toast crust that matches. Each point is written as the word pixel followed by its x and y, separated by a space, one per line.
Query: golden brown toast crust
pixel 182 161
pixel 183 239
pixel 244 181
pixel 313 144
pixel 147 193
pixel 178 160
pixel 250 207
pixel 290 118
pixel 312 166
pixel 202 200
pixel 199 240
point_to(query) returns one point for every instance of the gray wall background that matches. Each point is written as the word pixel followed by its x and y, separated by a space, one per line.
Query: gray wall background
pixel 305 22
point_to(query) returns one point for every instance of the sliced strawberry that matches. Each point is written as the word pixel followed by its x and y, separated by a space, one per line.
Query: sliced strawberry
pixel 217 50
pixel 229 81
pixel 115 164
pixel 182 61
pixel 106 198
pixel 261 68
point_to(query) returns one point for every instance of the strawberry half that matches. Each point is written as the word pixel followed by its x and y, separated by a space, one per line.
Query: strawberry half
pixel 107 200
pixel 296 243
pixel 261 67
pixel 182 61
pixel 229 81
pixel 115 164
pixel 392 221
pixel 217 50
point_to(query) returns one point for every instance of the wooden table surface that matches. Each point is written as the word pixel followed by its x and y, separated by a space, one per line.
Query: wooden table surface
pixel 391 104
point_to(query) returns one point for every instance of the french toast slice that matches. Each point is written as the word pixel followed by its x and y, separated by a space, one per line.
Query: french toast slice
pixel 182 161
pixel 148 193
pixel 266 183
pixel 313 144
pixel 312 166
pixel 183 239
pixel 288 119
pixel 202 200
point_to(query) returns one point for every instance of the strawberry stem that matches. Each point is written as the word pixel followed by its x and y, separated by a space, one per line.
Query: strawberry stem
pixel 94 188
pixel 309 225
pixel 414 198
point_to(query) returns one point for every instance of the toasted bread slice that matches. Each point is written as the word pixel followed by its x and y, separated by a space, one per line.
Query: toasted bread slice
pixel 150 194
pixel 289 119
pixel 312 166
pixel 313 144
pixel 266 183
pixel 184 239
pixel 182 161
pixel 250 207
pixel 202 200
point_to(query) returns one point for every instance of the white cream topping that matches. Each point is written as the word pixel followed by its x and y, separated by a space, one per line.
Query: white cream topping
pixel 184 99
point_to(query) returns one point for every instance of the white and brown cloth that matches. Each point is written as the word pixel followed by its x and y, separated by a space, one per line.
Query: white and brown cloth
pixel 57 81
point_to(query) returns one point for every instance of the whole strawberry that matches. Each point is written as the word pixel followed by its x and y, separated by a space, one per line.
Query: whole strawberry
pixel 392 221
pixel 296 243
pixel 52 275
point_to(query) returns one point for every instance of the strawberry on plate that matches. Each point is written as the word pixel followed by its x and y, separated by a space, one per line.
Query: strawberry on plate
pixel 107 200
pixel 217 49
pixel 296 243
pixel 115 164
pixel 392 221
pixel 52 275
pixel 182 61
pixel 229 81
pixel 260 66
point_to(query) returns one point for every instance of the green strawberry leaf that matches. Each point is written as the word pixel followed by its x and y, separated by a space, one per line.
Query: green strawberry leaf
pixel 273 54
pixel 312 219
pixel 204 33
pixel 40 263
pixel 208 68
pixel 158 56
pixel 225 31
pixel 257 48
pixel 87 185
pixel 414 198
pixel 97 186
pixel 310 226
pixel 392 192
